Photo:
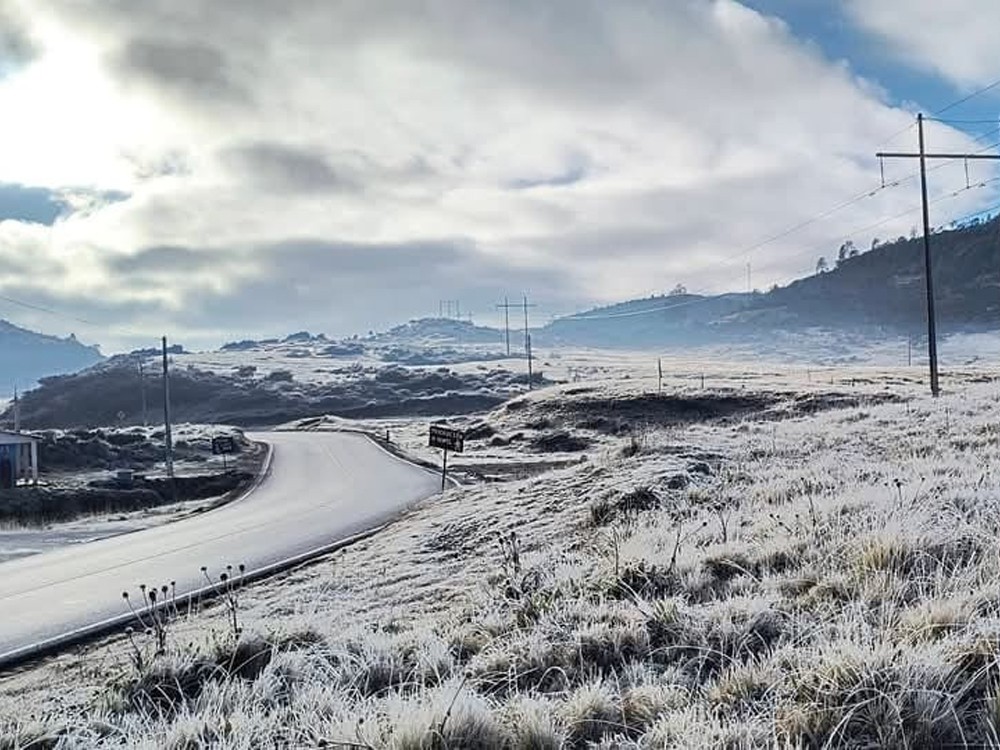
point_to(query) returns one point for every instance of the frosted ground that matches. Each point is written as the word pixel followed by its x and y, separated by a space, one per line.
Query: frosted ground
pixel 766 561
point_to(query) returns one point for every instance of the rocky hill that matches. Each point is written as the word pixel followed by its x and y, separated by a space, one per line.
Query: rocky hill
pixel 29 356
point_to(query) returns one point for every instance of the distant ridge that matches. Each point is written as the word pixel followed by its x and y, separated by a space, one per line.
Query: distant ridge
pixel 875 291
pixel 26 357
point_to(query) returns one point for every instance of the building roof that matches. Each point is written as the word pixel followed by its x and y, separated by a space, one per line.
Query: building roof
pixel 8 438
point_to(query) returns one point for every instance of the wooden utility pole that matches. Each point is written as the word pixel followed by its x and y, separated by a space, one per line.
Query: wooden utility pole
pixel 167 439
pixel 529 361
pixel 142 391
pixel 506 322
pixel 923 156
pixel 527 338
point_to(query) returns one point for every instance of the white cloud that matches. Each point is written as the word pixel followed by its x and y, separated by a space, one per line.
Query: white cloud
pixel 584 150
pixel 955 39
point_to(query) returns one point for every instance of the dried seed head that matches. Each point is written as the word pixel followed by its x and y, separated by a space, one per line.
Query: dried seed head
pixel 124 595
pixel 223 577
pixel 242 567
pixel 152 596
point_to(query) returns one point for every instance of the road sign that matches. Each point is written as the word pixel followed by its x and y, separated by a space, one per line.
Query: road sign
pixel 447 438
pixel 223 445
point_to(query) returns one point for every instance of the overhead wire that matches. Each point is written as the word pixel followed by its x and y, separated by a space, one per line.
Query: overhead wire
pixel 979 92
pixel 114 328
pixel 812 250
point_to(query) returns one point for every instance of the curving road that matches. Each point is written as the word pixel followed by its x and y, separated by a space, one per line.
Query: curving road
pixel 322 488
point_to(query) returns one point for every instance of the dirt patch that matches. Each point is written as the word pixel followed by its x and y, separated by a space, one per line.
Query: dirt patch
pixel 560 442
pixel 814 403
pixel 667 410
pixel 608 510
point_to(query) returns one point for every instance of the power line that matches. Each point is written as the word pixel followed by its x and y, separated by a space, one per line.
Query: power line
pixel 811 250
pixel 960 122
pixel 963 100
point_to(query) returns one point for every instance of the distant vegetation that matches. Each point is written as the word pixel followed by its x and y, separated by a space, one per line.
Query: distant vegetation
pixel 110 394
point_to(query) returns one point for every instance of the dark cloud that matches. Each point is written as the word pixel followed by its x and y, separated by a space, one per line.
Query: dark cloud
pixel 32 204
pixel 275 166
pixel 157 262
pixel 191 69
pixel 336 287
pixel 570 177
pixel 17 48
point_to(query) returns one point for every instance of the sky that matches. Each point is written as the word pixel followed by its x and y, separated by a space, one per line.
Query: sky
pixel 216 170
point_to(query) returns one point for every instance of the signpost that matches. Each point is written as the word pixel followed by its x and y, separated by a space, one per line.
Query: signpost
pixel 221 446
pixel 447 439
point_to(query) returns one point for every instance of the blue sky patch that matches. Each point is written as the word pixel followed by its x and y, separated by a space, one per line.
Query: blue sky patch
pixel 826 25
pixel 30 204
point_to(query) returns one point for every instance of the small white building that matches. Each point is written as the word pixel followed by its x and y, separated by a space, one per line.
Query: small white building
pixel 18 459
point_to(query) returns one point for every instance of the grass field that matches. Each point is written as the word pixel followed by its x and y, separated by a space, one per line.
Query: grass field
pixel 762 563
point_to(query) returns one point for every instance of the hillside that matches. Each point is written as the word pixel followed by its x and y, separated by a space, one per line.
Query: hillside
pixel 29 356
pixel 679 319
pixel 111 393
pixel 885 287
pixel 879 293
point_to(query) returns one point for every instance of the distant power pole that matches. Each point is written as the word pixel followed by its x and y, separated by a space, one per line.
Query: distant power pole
pixel 749 285
pixel 527 338
pixel 923 156
pixel 17 411
pixel 142 390
pixel 529 361
pixel 167 438
pixel 506 323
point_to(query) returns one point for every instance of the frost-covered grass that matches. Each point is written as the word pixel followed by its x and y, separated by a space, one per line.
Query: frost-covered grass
pixel 789 576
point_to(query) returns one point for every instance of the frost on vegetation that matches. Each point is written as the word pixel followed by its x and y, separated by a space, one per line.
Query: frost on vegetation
pixel 827 580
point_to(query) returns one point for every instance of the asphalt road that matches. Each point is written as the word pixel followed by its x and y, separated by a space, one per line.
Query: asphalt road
pixel 322 488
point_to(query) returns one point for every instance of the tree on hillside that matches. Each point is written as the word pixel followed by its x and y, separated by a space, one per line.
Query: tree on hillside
pixel 821 265
pixel 847 250
pixel 678 290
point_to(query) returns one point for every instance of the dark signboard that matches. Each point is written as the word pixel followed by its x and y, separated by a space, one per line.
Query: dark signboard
pixel 447 438
pixel 223 445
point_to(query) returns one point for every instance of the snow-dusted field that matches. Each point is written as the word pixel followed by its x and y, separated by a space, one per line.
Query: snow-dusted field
pixel 801 356
pixel 773 560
